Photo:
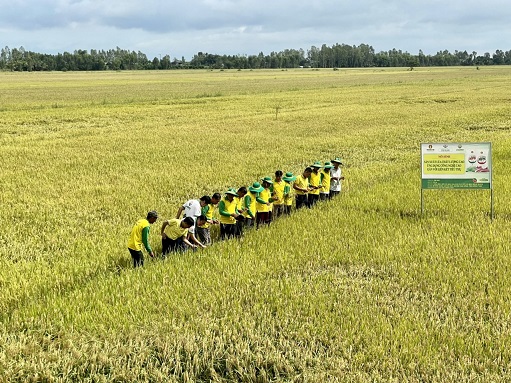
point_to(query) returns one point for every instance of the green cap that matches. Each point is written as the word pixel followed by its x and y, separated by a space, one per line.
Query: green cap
pixel 317 164
pixel 267 179
pixel 256 187
pixel 337 159
pixel 328 165
pixel 232 191
pixel 289 177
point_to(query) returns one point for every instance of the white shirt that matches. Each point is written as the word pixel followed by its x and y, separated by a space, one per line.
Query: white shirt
pixel 193 210
pixel 335 185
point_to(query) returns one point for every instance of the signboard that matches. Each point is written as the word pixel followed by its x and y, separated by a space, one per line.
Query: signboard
pixel 456 165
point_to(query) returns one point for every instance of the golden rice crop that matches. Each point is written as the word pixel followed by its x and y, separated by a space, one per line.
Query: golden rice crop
pixel 362 288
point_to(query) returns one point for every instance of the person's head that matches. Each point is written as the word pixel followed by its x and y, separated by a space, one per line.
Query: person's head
pixel 230 194
pixel 316 166
pixel 242 191
pixel 201 220
pixel 205 200
pixel 152 216
pixel 266 182
pixel 307 172
pixel 327 167
pixel 336 162
pixel 278 175
pixel 215 198
pixel 187 222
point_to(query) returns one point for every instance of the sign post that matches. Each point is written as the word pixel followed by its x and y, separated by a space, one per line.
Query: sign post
pixel 466 166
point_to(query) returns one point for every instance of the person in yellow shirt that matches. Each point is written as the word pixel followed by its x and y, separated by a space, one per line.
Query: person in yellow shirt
pixel 277 194
pixel 325 182
pixel 301 188
pixel 249 203
pixel 240 206
pixel 288 192
pixel 263 203
pixel 203 232
pixel 228 214
pixel 140 236
pixel 174 234
pixel 314 184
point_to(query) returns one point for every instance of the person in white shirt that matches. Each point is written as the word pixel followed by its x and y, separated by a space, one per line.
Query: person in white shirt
pixel 335 177
pixel 193 209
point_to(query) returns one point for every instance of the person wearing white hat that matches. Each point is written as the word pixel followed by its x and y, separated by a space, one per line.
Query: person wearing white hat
pixel 335 177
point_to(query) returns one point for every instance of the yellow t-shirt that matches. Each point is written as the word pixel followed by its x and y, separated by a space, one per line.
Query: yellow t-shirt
pixel 253 197
pixel 302 183
pixel 265 196
pixel 288 198
pixel 278 192
pixel 135 239
pixel 208 211
pixel 174 230
pixel 315 179
pixel 230 207
pixel 325 183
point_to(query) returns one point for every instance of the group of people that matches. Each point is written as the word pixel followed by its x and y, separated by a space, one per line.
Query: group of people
pixel 244 208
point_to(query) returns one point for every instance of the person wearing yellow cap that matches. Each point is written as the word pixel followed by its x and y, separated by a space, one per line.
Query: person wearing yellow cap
pixel 325 182
pixel 288 192
pixel 228 214
pixel 249 203
pixel 140 236
pixel 263 203
pixel 277 194
pixel 314 184
pixel 301 187
pixel 335 177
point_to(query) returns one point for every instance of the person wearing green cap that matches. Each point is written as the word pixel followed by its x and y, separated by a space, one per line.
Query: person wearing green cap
pixel 263 203
pixel 140 236
pixel 314 184
pixel 335 177
pixel 301 187
pixel 249 202
pixel 288 192
pixel 325 182
pixel 228 214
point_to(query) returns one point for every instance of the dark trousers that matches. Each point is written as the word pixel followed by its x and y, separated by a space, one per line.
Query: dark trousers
pixel 313 199
pixel 278 210
pixel 324 196
pixel 333 193
pixel 263 218
pixel 301 201
pixel 137 256
pixel 227 230
pixel 168 245
pixel 287 209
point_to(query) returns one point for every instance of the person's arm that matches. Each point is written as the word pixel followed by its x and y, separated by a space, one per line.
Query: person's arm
pixel 145 240
pixel 287 190
pixel 321 178
pixel 296 187
pixel 222 210
pixel 194 240
pixel 248 200
pixel 180 210
pixel 260 200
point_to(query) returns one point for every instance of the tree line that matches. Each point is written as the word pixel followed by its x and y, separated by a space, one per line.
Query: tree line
pixel 335 56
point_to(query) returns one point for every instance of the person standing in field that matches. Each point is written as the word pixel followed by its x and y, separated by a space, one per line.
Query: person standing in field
pixel 277 194
pixel 140 236
pixel 335 177
pixel 249 202
pixel 240 206
pixel 288 192
pixel 228 214
pixel 301 187
pixel 325 182
pixel 314 184
pixel 263 203
pixel 204 231
pixel 174 235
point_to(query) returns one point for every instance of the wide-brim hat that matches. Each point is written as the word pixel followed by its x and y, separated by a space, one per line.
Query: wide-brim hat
pixel 289 177
pixel 337 159
pixel 267 179
pixel 232 191
pixel 328 165
pixel 317 164
pixel 256 187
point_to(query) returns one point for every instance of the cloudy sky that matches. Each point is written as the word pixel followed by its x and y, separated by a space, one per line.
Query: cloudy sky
pixel 185 27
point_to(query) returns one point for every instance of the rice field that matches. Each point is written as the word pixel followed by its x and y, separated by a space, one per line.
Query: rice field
pixel 359 289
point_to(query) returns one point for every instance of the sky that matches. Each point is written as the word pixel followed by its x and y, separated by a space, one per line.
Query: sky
pixel 246 27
